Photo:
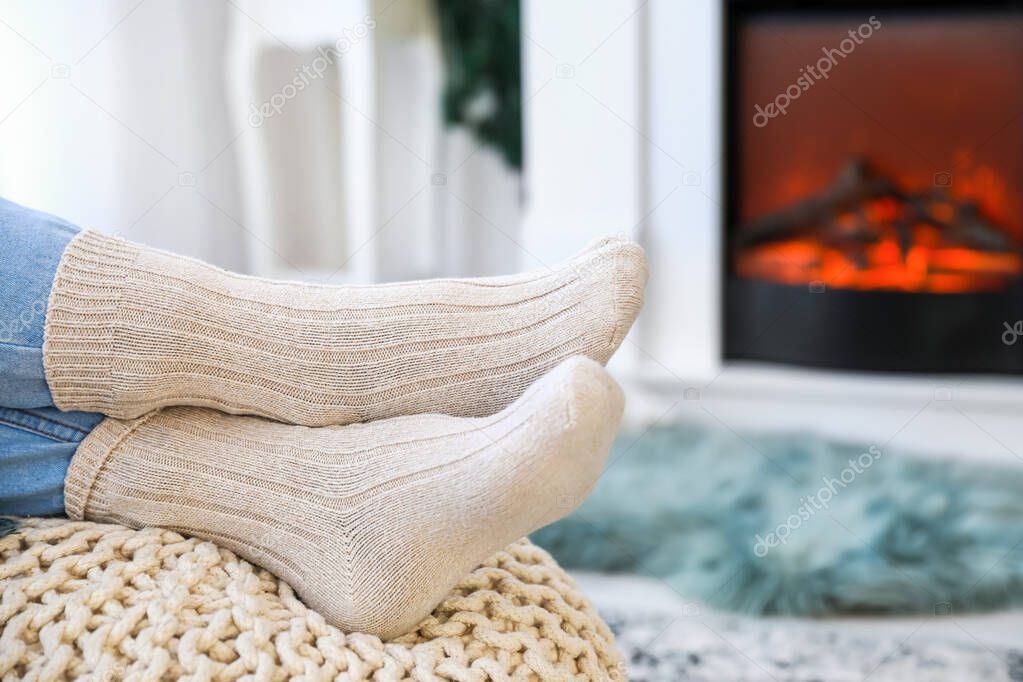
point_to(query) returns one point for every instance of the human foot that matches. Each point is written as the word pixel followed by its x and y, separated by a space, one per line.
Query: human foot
pixel 131 329
pixel 372 524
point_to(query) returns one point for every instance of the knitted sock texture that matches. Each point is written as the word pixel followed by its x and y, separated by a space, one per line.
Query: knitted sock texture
pixel 371 524
pixel 131 329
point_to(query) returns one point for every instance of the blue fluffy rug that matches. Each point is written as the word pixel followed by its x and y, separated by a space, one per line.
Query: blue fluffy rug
pixel 800 526
pixel 7 526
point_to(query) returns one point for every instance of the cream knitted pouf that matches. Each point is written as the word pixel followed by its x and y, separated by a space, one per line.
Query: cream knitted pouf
pixel 103 602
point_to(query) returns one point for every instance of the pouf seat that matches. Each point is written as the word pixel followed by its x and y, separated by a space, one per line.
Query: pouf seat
pixel 104 602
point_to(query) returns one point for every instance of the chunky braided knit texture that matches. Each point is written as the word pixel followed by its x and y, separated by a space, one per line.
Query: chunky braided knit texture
pixel 130 329
pixel 83 600
pixel 372 523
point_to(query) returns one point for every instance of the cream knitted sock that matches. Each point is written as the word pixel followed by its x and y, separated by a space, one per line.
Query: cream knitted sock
pixel 372 524
pixel 130 329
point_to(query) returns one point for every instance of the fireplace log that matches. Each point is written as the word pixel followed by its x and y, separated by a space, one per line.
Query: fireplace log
pixel 856 186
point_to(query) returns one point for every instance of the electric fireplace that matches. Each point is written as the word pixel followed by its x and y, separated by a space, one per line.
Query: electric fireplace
pixel 874 185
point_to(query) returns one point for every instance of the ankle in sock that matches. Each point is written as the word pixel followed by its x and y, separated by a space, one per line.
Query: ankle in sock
pixel 372 524
pixel 130 329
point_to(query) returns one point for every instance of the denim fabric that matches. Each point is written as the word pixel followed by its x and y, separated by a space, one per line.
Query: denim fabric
pixel 36 446
pixel 31 244
pixel 36 439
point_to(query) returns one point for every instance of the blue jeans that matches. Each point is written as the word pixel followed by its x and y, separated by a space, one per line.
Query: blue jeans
pixel 36 439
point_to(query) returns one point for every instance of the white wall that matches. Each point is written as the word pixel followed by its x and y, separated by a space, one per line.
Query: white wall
pixel 583 156
pixel 132 117
pixel 112 115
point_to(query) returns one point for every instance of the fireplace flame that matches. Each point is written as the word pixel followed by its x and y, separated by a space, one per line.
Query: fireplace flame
pixel 866 233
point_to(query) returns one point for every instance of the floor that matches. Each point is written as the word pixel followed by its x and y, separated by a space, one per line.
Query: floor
pixel 664 637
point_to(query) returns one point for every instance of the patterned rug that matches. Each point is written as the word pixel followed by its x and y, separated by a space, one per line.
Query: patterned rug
pixel 667 648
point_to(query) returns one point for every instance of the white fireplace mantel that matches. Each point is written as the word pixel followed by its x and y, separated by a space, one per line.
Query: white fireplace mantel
pixel 623 135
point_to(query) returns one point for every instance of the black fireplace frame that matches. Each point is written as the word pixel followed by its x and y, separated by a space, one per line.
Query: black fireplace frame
pixel 875 331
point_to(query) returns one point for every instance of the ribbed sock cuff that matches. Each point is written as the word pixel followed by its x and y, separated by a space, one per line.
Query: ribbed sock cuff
pixel 81 321
pixel 87 462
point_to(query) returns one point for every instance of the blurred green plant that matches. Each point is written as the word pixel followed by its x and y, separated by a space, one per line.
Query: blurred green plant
pixel 483 72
